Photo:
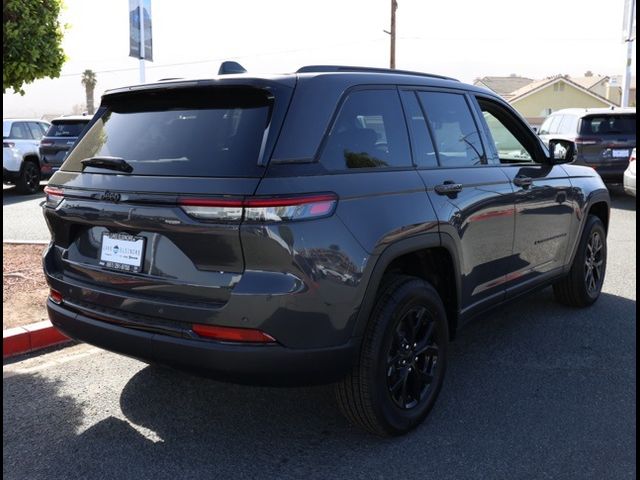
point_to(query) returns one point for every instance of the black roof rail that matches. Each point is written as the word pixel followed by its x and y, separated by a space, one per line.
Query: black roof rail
pixel 344 68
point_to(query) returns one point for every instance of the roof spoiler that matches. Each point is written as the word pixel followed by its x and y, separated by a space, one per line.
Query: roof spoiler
pixel 227 68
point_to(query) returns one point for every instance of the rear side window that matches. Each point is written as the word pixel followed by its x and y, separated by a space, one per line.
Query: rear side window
pixel 551 125
pixel 207 132
pixel 36 131
pixel 19 131
pixel 369 132
pixel 609 124
pixel 423 151
pixel 66 129
pixel 454 130
pixel 569 125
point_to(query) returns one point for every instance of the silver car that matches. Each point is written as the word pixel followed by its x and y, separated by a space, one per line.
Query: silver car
pixel 630 175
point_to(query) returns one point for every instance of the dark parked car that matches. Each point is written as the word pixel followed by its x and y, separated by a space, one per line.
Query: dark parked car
pixel 337 224
pixel 604 137
pixel 56 143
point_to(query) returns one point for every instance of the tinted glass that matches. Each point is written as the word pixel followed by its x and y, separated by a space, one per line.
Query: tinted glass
pixel 20 131
pixel 454 129
pixel 423 151
pixel 66 129
pixel 609 124
pixel 36 131
pixel 214 132
pixel 554 127
pixel 369 132
pixel 509 148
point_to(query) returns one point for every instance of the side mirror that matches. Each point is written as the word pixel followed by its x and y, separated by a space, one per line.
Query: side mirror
pixel 561 151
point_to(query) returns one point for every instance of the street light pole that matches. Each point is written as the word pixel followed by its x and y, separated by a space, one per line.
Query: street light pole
pixel 629 35
pixel 142 52
pixel 392 33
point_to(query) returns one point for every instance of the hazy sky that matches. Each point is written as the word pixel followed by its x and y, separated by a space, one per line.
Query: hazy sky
pixel 460 38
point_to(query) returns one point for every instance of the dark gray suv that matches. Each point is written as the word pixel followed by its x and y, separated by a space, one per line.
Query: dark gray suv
pixel 337 224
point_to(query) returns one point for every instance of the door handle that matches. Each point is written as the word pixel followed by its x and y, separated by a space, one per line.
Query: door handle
pixel 524 182
pixel 448 188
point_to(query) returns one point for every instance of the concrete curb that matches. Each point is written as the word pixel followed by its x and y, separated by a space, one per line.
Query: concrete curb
pixel 30 338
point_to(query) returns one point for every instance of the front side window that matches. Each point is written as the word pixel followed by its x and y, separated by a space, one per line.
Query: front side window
pixel 369 132
pixel 509 148
pixel 454 130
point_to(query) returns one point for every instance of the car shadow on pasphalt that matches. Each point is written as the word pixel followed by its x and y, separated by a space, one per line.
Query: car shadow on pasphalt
pixel 621 200
pixel 533 390
pixel 10 196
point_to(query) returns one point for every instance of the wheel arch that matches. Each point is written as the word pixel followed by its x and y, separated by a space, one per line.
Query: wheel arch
pixel 432 257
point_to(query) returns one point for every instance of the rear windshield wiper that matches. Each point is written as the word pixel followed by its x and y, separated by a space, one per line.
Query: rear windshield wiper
pixel 110 163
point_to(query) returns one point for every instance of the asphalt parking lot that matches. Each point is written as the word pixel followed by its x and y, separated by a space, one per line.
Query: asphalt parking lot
pixel 22 218
pixel 534 390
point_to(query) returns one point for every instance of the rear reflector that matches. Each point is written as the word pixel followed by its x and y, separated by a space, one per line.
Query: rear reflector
pixel 55 296
pixel 230 334
pixel 588 141
pixel 260 209
pixel 53 196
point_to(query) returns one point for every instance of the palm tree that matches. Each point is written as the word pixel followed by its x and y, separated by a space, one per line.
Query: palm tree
pixel 89 81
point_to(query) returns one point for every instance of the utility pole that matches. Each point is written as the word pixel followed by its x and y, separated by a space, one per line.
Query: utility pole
pixel 394 7
pixel 629 38
pixel 392 34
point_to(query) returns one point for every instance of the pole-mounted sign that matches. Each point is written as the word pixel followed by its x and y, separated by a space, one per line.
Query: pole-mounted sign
pixel 140 33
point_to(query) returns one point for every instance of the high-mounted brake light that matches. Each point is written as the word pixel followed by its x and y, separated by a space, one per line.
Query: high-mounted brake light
pixel 53 196
pixel 260 209
pixel 231 334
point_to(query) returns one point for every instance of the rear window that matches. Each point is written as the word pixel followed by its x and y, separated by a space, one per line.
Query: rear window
pixel 66 129
pixel 206 132
pixel 609 124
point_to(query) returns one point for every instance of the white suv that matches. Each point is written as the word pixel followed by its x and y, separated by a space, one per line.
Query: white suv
pixel 20 158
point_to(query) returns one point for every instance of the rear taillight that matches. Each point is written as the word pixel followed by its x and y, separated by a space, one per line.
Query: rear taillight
pixel 55 296
pixel 632 158
pixel 260 209
pixel 231 334
pixel 588 141
pixel 53 196
pixel 8 144
pixel 46 143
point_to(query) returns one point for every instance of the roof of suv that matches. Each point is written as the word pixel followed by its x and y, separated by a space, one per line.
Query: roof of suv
pixel 346 75
pixel 73 118
pixel 581 112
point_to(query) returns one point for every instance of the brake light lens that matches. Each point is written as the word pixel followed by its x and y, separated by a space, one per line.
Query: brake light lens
pixel 53 196
pixel 633 156
pixel 261 209
pixel 46 143
pixel 8 144
pixel 231 334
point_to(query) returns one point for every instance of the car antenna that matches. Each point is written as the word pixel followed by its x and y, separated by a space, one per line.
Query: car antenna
pixel 227 68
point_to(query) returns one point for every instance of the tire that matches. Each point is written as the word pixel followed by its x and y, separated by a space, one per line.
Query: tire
pixel 381 393
pixel 583 285
pixel 29 181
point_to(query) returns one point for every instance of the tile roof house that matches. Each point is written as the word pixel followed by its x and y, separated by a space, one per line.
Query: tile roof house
pixel 503 86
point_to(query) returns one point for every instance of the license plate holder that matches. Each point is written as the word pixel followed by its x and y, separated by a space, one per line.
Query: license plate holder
pixel 122 252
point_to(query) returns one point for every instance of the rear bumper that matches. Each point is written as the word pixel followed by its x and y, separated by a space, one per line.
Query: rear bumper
pixel 250 364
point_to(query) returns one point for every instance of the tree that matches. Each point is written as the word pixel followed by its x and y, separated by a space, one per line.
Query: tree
pixel 31 42
pixel 89 81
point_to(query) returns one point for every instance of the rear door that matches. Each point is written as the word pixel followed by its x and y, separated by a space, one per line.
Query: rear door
pixel 168 225
pixel 542 194
pixel 473 199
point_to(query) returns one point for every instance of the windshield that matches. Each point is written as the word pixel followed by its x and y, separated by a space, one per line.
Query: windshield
pixel 215 132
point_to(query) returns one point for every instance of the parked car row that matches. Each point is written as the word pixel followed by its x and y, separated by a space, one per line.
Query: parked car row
pixel 32 150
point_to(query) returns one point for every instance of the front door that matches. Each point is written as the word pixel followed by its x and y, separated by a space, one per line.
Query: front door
pixel 542 196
